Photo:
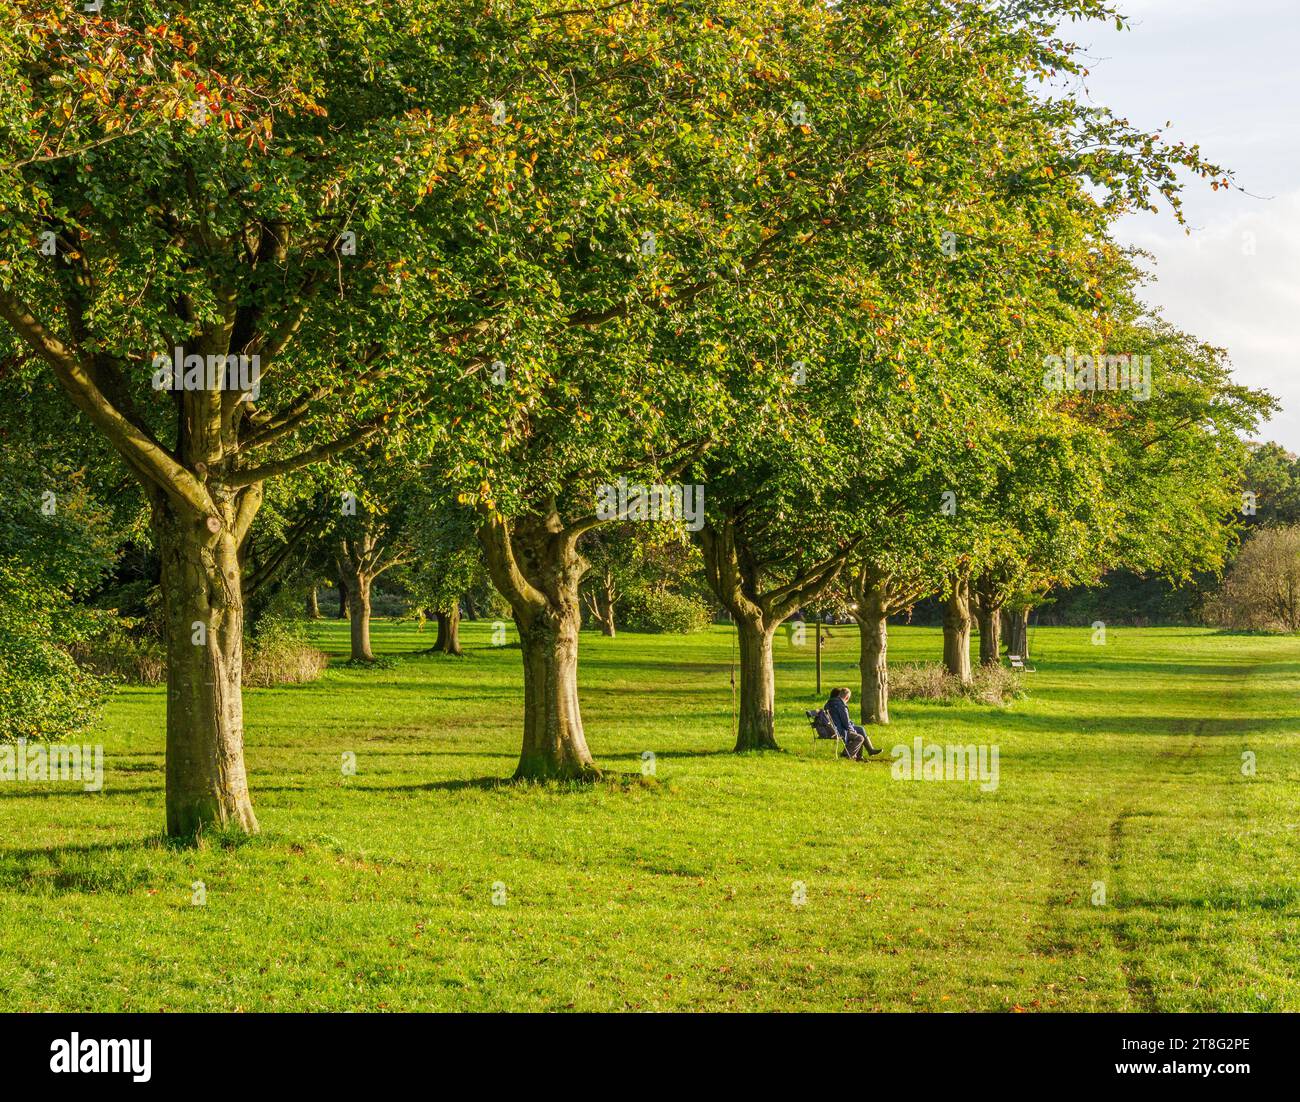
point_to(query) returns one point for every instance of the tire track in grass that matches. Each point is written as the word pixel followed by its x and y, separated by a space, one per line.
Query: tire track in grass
pixel 1064 934
pixel 1181 745
pixel 1141 990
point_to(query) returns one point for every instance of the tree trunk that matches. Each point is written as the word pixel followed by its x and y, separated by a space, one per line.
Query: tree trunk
pixel 956 629
pixel 448 641
pixel 757 687
pixel 207 785
pixel 990 625
pixel 988 598
pixel 555 746
pixel 343 600
pixel 313 604
pixel 605 613
pixel 873 631
pixel 1018 632
pixel 357 586
pixel 535 565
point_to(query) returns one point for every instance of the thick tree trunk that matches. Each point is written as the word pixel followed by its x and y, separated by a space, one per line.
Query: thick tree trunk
pixel 1018 632
pixel 342 613
pixel 313 604
pixel 988 598
pixel 873 631
pixel 990 625
pixel 757 730
pixel 537 568
pixel 358 594
pixel 555 746
pixel 207 785
pixel 448 641
pixel 956 630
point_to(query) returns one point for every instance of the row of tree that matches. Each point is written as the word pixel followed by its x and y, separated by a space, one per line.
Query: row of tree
pixel 486 260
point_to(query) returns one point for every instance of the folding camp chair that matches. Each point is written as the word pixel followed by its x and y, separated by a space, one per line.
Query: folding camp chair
pixel 837 743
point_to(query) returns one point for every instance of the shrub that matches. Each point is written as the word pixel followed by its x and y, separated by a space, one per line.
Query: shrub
pixel 922 681
pixel 1262 589
pixel 279 653
pixel 932 681
pixel 123 650
pixel 44 694
pixel 285 663
pixel 662 610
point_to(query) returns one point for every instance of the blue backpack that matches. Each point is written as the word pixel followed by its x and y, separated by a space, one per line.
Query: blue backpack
pixel 822 723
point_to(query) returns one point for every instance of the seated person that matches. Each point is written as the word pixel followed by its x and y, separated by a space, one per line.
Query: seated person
pixel 855 737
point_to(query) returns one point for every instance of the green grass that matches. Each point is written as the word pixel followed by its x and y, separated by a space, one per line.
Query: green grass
pixel 375 891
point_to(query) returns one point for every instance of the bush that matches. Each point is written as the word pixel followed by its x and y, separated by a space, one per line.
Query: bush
pixel 284 663
pixel 662 610
pixel 279 653
pixel 932 681
pixel 384 602
pixel 1262 589
pixel 44 694
pixel 124 651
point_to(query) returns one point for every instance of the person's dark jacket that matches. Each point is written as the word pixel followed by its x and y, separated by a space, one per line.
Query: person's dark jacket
pixel 839 713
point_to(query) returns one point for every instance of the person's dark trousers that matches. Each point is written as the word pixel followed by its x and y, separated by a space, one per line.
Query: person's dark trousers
pixel 856 740
pixel 853 742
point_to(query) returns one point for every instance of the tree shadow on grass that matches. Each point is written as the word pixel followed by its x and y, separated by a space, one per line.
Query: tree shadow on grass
pixel 78 791
pixel 111 868
pixel 665 755
pixel 108 867
pixel 463 784
pixel 608 779
pixel 990 720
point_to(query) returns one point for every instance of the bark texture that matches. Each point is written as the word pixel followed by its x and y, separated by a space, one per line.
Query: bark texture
pixel 878 593
pixel 534 563
pixel 988 597
pixel 448 641
pixel 1018 632
pixel 956 627
pixel 207 785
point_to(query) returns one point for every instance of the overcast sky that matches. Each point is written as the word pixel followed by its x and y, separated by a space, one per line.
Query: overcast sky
pixel 1227 73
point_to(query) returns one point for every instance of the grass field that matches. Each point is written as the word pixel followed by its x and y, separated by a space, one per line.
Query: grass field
pixel 376 891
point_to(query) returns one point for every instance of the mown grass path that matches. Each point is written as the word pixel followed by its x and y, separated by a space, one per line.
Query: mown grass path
pixel 376 891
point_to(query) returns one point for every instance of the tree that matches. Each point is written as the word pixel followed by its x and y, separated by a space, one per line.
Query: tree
pixel 58 540
pixel 1272 478
pixel 446 562
pixel 613 566
pixel 373 205
pixel 1261 591
pixel 878 592
pixel 319 190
